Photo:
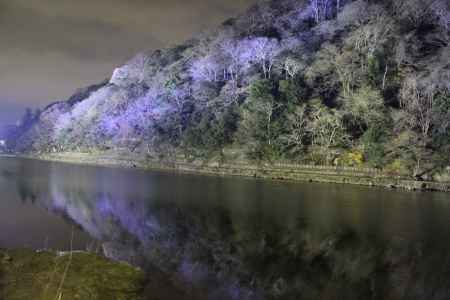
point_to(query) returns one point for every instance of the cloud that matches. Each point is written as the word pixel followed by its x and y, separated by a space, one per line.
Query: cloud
pixel 49 48
pixel 28 29
pixel 105 29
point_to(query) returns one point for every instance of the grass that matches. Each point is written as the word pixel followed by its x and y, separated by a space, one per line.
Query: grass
pixel 26 274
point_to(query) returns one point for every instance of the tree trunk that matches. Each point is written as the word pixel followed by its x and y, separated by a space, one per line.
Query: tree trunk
pixel 384 77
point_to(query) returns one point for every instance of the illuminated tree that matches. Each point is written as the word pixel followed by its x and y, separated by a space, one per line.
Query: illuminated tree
pixel 206 68
pixel 238 57
pixel 418 102
pixel 297 129
pixel 322 9
pixel 259 113
pixel 264 50
pixel 326 127
pixel 365 107
pixel 292 67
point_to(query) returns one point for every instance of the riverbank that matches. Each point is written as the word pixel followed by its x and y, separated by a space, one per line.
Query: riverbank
pixel 44 275
pixel 50 275
pixel 275 171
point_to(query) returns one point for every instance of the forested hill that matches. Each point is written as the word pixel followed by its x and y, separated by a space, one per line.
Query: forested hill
pixel 313 81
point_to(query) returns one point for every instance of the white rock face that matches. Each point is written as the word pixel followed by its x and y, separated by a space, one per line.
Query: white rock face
pixel 132 72
pixel 125 76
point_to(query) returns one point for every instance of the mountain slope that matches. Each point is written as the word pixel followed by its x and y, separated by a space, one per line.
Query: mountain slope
pixel 323 82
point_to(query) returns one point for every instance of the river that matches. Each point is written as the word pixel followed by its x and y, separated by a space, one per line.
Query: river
pixel 236 238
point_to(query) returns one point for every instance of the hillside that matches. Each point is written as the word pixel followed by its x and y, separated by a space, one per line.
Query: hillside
pixel 323 82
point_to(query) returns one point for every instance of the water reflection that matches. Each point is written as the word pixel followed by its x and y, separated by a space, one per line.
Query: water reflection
pixel 248 239
pixel 26 223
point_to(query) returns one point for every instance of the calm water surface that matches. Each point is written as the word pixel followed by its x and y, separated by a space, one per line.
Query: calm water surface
pixel 240 236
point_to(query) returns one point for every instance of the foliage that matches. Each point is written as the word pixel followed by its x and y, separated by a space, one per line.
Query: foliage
pixel 259 115
pixel 213 131
pixel 373 141
pixel 397 167
pixel 292 92
pixel 364 108
pixel 326 126
pixel 350 159
pixel 301 80
pixel 441 119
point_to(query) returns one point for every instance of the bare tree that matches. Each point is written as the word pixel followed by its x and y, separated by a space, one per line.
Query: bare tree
pixel 264 50
pixel 178 96
pixel 326 128
pixel 322 9
pixel 297 128
pixel 238 57
pixel 419 103
pixel 206 68
pixel 415 11
pixel 268 109
pixel 345 71
pixel 370 37
pixel 292 67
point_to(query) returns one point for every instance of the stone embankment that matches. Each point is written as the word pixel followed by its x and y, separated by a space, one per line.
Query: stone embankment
pixel 274 171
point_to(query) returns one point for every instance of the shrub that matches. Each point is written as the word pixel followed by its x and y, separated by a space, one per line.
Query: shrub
pixel 397 167
pixel 373 144
pixel 353 158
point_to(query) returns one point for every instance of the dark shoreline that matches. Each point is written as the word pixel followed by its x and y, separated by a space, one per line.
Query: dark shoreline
pixel 285 172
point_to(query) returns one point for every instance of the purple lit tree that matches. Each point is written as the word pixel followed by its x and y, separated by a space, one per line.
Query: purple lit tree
pixel 263 50
pixel 136 121
pixel 238 55
pixel 323 9
pixel 177 95
pixel 206 69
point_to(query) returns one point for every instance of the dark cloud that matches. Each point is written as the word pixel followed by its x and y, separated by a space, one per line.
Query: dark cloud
pixel 85 39
pixel 48 48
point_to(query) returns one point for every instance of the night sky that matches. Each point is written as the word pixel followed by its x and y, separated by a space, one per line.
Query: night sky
pixel 49 48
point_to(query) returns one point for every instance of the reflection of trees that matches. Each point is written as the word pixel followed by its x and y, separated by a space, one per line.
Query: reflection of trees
pixel 240 251
pixel 233 254
pixel 25 190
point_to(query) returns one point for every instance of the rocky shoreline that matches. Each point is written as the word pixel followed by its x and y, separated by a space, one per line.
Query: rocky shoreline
pixel 276 171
